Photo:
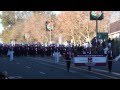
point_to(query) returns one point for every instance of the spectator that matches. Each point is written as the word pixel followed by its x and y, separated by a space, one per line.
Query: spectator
pixel 68 59
pixel 3 75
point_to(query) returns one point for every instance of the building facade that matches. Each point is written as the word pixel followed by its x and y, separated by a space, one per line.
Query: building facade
pixel 115 30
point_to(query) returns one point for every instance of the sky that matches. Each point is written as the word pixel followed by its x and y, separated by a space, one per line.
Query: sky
pixel 56 12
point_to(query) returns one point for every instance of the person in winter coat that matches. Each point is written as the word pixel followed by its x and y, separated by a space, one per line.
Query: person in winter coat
pixel 110 59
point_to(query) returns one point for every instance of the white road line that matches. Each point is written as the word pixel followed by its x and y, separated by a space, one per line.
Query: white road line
pixel 98 73
pixel 114 73
pixel 54 66
pixel 82 69
pixel 106 75
pixel 41 72
pixel 95 69
pixel 100 70
pixel 118 74
pixel 70 70
pixel 64 69
pixel 77 72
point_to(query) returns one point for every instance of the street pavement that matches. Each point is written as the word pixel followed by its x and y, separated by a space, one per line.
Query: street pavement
pixel 46 68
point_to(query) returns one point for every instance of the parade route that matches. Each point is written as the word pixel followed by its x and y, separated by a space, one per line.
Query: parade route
pixel 46 68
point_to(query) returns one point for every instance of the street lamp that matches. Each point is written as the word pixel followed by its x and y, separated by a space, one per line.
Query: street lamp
pixel 96 15
pixel 49 27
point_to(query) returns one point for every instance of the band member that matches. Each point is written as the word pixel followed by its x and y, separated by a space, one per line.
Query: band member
pixel 89 62
pixel 68 59
pixel 110 59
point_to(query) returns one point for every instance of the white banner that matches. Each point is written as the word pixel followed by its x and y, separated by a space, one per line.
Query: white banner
pixel 99 59
pixel 80 59
pixel 90 60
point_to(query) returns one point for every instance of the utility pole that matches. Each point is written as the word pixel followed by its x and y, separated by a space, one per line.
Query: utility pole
pixel 96 15
pixel 97 29
pixel 50 36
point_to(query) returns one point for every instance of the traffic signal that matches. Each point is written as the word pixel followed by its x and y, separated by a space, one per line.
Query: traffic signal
pixel 96 15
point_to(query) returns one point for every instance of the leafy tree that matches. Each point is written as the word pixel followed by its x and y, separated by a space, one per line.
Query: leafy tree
pixel 8 19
